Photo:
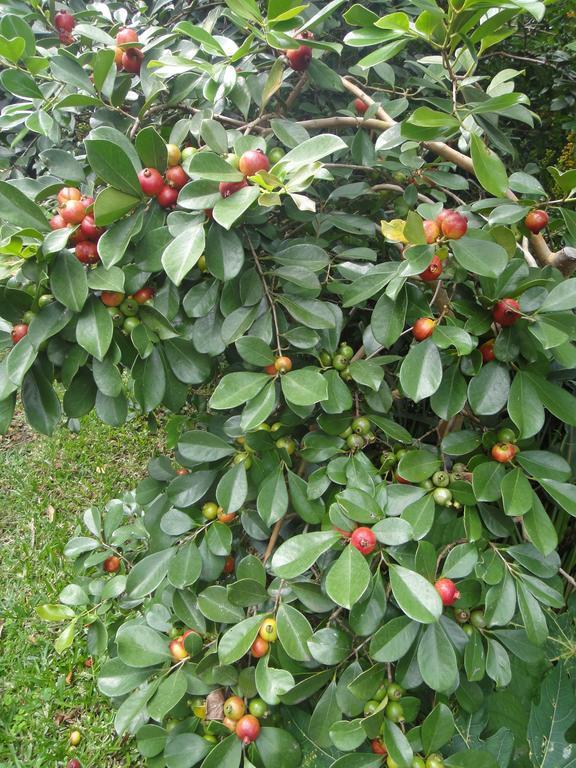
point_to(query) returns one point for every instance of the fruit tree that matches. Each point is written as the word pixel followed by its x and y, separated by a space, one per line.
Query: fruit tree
pixel 310 234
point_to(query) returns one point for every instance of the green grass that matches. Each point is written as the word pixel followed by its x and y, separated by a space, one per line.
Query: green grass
pixel 45 485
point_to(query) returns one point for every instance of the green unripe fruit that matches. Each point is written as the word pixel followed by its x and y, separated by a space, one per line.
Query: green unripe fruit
pixel 340 362
pixel 361 425
pixel 210 510
pixel 400 452
pixel 388 460
pixel 233 159
pixel 442 496
pixel 468 629
pixel 347 432
pixel 459 467
pixel 418 762
pixel 276 426
pixel 382 692
pixel 345 375
pixel 434 761
pixel 116 315
pixel 370 707
pixel 210 738
pixel 243 458
pixel 395 691
pixel 187 152
pixel 258 708
pixel 441 479
pixel 428 485
pixel 275 155
pixel 394 711
pixel 27 317
pixel 129 307
pixel 44 300
pixel 287 444
pixel 325 359
pixel 130 323
pixel 461 615
pixel 346 351
pixel 506 435
pixel 355 442
pixel 169 725
pixel 370 437
pixel 391 763
pixel 174 632
pixel 478 619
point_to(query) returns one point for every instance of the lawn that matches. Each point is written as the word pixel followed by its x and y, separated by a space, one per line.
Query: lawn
pixel 45 484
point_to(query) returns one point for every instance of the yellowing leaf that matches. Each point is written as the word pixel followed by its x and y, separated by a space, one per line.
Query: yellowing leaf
pixel 394 230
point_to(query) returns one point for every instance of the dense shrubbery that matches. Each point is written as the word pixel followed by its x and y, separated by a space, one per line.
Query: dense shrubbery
pixel 331 266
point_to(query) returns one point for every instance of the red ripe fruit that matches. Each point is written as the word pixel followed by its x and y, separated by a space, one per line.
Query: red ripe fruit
pixel 423 328
pixel 57 222
pixel 360 106
pixel 87 252
pixel 432 271
pixel 111 564
pixel 151 181
pixel 76 237
pixel 66 38
pixel 182 471
pixel 72 212
pixel 132 60
pixel 299 58
pixel 503 452
pixel 447 591
pixel 442 215
pixel 87 201
pixel 259 648
pixel 536 221
pixel 176 177
pixel 229 565
pixel 18 332
pixel 74 763
pixel 68 193
pixel 248 729
pixel 271 370
pixel 378 747
pixel 112 298
pixel 506 312
pixel 167 196
pixel 454 225
pixel 431 230
pixel 64 21
pixel 252 161
pixel 143 295
pixel 126 35
pixel 89 229
pixel 228 188
pixel 487 351
pixel 364 540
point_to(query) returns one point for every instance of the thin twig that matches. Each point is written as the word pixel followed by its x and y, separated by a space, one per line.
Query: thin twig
pixel 568 578
pixel 273 539
pixel 269 296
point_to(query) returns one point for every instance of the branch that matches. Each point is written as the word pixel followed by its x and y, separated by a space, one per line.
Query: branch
pixel 564 260
pixel 272 540
pixel 568 578
pixel 269 296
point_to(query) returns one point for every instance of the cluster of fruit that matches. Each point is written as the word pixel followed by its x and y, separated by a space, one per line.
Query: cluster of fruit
pixel 212 511
pixel 124 309
pixel 243 720
pixel 75 213
pixel 65 23
pixel 359 434
pixel 165 188
pixel 249 163
pixel 127 57
pixel 387 699
pixel 340 360
pixel 19 330
pixel 266 634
